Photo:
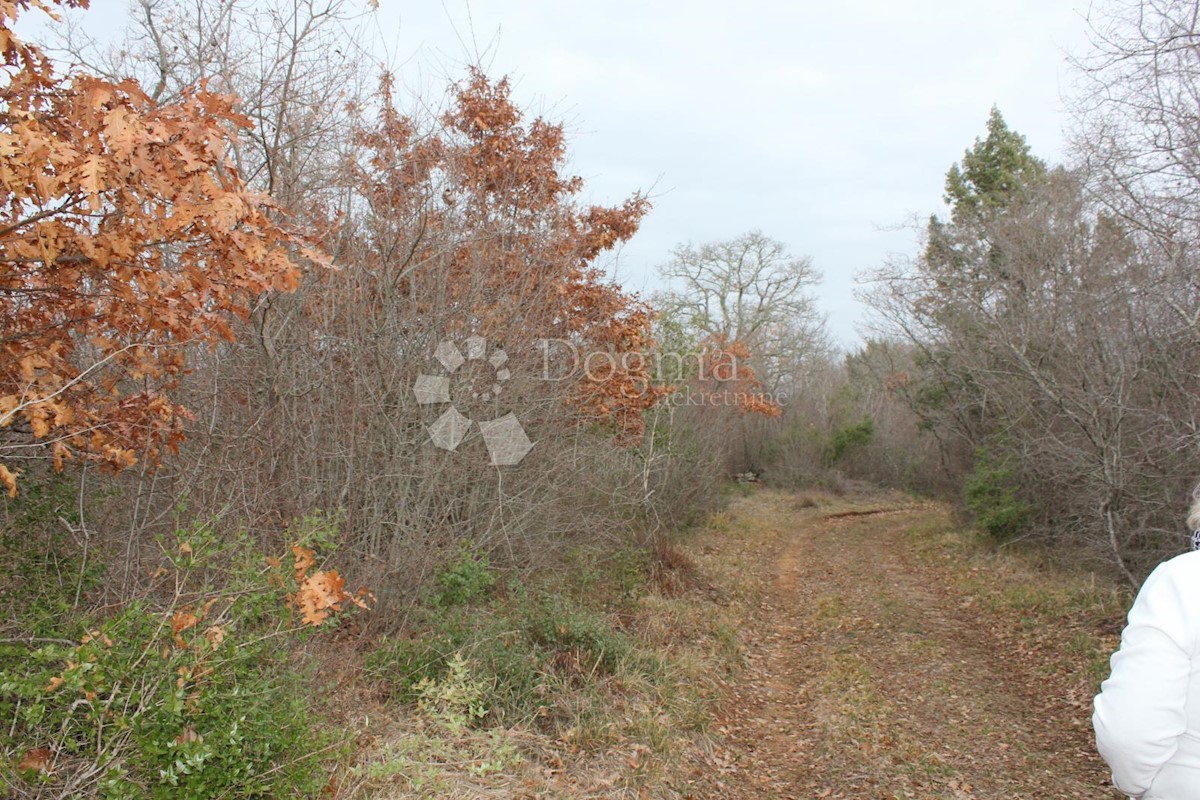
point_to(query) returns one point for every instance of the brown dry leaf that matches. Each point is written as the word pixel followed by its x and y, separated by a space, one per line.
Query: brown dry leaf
pixel 9 479
pixel 333 588
pixel 39 759
pixel 319 594
pixel 306 559
pixel 182 620
pixel 363 598
pixel 189 735
pixel 311 612
pixel 215 635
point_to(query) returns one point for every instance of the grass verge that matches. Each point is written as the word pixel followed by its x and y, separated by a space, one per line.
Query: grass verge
pixel 589 680
pixel 1062 620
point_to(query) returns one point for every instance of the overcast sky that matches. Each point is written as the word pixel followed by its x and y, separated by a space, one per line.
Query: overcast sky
pixel 827 125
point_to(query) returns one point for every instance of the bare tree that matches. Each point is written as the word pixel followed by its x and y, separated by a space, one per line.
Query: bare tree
pixel 1138 123
pixel 296 67
pixel 1138 129
pixel 749 290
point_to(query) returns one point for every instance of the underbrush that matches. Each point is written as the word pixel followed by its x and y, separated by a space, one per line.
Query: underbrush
pixel 591 676
pixel 598 674
pixel 521 650
pixel 195 689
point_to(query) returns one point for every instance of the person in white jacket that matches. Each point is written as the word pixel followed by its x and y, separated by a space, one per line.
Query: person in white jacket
pixel 1147 715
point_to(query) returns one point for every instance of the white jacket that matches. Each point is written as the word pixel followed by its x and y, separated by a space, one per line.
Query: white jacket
pixel 1147 715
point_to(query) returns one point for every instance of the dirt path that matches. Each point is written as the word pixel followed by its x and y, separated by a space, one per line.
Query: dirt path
pixel 870 678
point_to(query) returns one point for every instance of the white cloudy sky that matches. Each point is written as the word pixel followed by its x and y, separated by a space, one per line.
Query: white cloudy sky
pixel 825 124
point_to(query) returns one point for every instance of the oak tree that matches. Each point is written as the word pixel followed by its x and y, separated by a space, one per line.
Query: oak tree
pixel 126 237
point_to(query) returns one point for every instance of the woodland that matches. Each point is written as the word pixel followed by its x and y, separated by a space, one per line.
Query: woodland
pixel 245 280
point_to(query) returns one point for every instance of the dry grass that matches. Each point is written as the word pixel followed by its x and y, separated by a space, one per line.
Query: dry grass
pixel 619 735
pixel 794 659
pixel 1063 620
pixel 874 671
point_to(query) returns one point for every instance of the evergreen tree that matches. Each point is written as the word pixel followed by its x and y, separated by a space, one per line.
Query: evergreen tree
pixel 991 173
pixel 990 178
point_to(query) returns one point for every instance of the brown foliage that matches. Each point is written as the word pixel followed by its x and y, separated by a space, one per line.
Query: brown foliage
pixel 726 373
pixel 319 592
pixel 126 235
pixel 503 250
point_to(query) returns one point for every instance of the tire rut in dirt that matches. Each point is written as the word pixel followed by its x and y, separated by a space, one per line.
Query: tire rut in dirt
pixel 868 681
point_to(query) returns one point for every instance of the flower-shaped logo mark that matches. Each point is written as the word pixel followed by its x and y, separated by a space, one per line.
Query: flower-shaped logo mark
pixel 504 437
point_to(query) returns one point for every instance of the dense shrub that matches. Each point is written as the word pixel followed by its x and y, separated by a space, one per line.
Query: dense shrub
pixel 517 651
pixel 990 493
pixel 129 713
pixel 847 437
pixel 192 691
pixel 463 580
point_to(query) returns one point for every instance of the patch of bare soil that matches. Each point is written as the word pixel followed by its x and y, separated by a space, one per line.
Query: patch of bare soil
pixel 869 677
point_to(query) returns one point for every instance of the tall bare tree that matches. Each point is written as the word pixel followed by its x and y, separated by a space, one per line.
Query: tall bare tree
pixel 749 290
pixel 1138 123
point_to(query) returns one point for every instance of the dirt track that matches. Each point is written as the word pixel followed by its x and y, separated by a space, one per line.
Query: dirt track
pixel 868 677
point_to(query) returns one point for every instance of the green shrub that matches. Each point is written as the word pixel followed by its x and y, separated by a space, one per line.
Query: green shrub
pixel 44 573
pixel 847 437
pixel 508 667
pixel 463 580
pixel 611 578
pixel 190 693
pixel 219 716
pixel 556 624
pixel 991 494
pixel 403 663
pixel 517 653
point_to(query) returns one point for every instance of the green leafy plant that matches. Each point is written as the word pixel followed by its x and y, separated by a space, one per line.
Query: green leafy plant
pixel 521 650
pixel 192 692
pixel 456 699
pixel 847 437
pixel 991 494
pixel 582 638
pixel 463 580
